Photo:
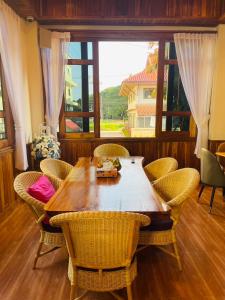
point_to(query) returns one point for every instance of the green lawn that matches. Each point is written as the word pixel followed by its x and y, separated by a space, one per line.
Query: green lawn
pixel 112 125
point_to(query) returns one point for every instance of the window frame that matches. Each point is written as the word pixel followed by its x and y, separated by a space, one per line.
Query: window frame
pixel 114 35
pixel 162 62
pixel 96 113
pixel 6 114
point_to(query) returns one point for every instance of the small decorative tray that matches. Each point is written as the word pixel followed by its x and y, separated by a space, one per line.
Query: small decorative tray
pixel 103 173
pixel 108 167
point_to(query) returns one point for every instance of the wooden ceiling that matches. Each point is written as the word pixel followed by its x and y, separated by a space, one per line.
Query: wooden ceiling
pixel 123 12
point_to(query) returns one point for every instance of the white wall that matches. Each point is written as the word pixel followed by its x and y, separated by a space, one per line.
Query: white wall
pixel 217 119
pixel 34 76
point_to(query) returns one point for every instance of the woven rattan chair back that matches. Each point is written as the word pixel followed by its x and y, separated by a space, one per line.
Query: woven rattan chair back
pixel 221 148
pixel 160 167
pixel 21 184
pixel 55 168
pixel 110 150
pixel 49 238
pixel 176 187
pixel 101 240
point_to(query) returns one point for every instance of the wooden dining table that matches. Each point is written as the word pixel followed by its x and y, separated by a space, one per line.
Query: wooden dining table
pixel 222 154
pixel 130 191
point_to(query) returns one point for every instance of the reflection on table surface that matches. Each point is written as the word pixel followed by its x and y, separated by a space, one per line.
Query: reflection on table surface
pixel 129 191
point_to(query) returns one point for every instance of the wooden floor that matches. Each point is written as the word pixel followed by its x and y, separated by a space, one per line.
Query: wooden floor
pixel 201 240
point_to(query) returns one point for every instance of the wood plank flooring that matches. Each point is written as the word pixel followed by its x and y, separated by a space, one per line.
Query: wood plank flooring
pixel 201 241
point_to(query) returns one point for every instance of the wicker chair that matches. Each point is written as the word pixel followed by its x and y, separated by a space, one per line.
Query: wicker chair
pixel 58 169
pixel 101 248
pixel 111 150
pixel 174 188
pixel 49 235
pixel 160 167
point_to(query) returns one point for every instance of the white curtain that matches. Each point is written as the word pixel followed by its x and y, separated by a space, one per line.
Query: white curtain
pixel 196 57
pixel 54 60
pixel 12 55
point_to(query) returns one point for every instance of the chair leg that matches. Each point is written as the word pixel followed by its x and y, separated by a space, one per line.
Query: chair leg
pixel 37 254
pixel 129 292
pixel 72 292
pixel 201 190
pixel 212 197
pixel 177 255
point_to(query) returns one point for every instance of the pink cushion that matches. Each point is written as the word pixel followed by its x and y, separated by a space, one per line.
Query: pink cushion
pixel 42 189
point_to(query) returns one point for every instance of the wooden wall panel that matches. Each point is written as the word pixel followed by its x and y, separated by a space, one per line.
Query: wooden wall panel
pixel 151 149
pixel 94 8
pixel 7 195
pixel 151 8
pixel 139 8
pixel 53 8
pixel 25 7
pixel 131 12
pixel 126 12
pixel 194 8
pixel 213 145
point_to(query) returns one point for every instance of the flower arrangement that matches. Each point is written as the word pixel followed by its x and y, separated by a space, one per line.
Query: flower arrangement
pixel 45 146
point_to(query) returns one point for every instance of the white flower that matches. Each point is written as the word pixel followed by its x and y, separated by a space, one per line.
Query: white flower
pixel 45 151
pixel 45 146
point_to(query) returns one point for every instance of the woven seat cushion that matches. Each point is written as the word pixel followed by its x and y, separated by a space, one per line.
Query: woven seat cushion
pixel 159 224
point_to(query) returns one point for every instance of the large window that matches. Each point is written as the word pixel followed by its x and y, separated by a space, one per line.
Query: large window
pixel 108 95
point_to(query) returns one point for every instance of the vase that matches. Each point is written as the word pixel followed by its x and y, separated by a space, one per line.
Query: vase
pixel 35 164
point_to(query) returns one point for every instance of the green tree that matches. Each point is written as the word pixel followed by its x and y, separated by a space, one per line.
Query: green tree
pixel 113 106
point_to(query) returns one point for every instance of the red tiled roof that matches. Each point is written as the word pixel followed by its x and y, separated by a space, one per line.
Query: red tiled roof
pixel 146 110
pixel 142 77
pixel 72 125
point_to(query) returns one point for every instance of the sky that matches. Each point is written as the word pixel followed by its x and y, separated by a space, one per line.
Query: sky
pixel 119 60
